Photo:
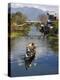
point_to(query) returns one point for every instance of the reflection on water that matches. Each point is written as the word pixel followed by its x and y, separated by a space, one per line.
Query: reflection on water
pixel 28 62
pixel 44 62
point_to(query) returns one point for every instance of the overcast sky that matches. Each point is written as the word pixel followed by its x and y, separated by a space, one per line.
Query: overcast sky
pixel 50 8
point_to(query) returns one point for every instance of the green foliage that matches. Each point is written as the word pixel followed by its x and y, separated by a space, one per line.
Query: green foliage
pixel 53 36
pixel 54 42
pixel 55 26
pixel 18 18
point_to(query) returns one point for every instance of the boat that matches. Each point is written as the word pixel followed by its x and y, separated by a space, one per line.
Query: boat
pixel 28 62
pixel 30 54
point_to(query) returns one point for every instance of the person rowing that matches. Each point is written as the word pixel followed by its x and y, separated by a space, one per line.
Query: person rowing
pixel 31 49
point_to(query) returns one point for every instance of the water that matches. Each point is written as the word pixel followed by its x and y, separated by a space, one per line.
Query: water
pixel 45 61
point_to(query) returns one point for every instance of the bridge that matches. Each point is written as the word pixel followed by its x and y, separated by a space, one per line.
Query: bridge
pixel 33 21
pixel 28 22
pixel 20 26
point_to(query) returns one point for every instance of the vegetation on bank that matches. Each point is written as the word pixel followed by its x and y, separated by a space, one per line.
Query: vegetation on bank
pixel 18 19
pixel 52 33
pixel 53 36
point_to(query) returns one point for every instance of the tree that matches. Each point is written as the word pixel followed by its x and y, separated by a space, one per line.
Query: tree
pixel 18 18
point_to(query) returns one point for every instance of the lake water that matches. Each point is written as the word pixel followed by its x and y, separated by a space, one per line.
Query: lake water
pixel 45 61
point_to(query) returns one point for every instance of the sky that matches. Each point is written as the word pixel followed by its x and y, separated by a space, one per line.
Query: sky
pixel 49 8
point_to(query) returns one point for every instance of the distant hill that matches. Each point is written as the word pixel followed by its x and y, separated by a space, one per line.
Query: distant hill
pixel 31 13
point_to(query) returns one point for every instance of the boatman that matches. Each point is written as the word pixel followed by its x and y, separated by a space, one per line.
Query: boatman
pixel 31 49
